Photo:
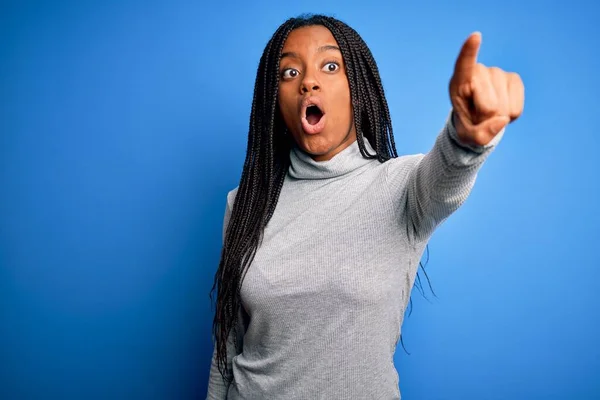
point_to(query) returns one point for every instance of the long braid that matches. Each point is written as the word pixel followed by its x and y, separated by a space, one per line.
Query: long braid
pixel 267 160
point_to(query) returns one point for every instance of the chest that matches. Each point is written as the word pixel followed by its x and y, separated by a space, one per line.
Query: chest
pixel 332 243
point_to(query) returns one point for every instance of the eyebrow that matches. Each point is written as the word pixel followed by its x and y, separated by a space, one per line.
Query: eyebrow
pixel 327 47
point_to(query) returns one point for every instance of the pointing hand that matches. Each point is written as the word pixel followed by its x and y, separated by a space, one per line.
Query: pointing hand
pixel 484 99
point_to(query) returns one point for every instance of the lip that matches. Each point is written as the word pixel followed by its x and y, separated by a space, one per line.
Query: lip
pixel 318 127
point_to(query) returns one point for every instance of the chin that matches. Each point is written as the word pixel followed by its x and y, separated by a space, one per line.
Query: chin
pixel 326 144
pixel 316 144
pixel 320 147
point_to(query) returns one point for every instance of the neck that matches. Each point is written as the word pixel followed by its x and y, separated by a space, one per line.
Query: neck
pixel 349 159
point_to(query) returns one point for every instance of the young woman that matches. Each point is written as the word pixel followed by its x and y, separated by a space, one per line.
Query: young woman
pixel 324 234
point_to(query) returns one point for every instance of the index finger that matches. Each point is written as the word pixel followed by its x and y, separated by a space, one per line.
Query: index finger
pixel 467 58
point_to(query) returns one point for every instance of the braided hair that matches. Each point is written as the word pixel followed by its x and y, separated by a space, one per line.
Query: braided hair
pixel 267 159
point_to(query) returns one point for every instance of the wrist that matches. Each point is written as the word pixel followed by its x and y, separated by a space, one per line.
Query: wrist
pixel 459 128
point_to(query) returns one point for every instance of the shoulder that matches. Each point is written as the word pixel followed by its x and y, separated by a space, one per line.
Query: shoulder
pixel 399 168
pixel 228 209
pixel 231 195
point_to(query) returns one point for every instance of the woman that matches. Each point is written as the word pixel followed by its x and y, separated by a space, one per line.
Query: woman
pixel 324 234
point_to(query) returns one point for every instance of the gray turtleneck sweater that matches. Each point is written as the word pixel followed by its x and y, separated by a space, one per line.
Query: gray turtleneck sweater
pixel 324 299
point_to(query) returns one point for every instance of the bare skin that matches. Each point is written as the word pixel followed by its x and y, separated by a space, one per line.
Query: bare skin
pixel 484 99
pixel 312 70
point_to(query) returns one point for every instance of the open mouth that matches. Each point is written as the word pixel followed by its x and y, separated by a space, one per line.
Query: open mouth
pixel 313 118
pixel 313 114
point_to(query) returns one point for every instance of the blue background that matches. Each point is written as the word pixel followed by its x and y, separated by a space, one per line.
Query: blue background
pixel 123 125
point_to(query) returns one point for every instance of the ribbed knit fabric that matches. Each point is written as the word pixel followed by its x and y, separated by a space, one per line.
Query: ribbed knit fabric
pixel 324 299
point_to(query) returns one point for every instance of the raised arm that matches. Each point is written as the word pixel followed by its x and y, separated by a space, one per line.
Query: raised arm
pixel 426 189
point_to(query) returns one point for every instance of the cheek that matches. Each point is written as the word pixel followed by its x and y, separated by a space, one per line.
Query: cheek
pixel 343 104
pixel 286 105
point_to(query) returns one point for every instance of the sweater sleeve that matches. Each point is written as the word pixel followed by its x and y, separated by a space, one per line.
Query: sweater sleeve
pixel 217 386
pixel 427 189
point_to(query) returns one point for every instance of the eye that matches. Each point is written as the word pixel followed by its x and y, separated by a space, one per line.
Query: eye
pixel 289 73
pixel 331 66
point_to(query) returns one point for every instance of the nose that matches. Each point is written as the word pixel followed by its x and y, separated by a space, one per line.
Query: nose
pixel 309 84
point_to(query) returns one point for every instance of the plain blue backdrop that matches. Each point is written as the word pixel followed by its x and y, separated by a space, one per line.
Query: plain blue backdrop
pixel 123 126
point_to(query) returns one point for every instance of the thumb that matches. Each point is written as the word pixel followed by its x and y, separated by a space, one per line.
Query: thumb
pixel 493 126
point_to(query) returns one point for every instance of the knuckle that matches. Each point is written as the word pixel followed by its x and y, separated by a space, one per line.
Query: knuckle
pixel 515 77
pixel 464 89
pixel 481 136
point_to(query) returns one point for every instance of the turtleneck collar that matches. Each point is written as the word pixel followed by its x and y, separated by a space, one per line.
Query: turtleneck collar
pixel 302 166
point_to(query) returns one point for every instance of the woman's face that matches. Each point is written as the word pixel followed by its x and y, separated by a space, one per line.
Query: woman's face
pixel 314 96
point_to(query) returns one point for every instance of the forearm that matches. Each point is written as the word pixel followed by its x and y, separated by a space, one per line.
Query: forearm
pixel 217 386
pixel 440 181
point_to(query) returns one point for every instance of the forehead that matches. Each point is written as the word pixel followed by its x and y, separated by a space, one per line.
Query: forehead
pixel 308 38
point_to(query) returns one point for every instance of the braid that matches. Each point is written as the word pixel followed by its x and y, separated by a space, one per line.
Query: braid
pixel 267 160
